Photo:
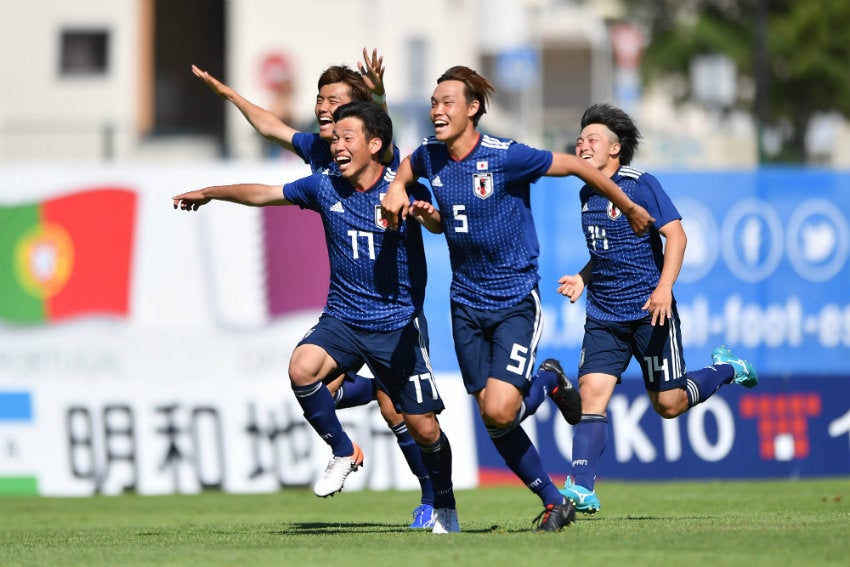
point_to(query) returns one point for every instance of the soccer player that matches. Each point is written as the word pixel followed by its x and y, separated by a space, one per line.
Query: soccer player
pixel 340 85
pixel 482 188
pixel 631 311
pixel 373 314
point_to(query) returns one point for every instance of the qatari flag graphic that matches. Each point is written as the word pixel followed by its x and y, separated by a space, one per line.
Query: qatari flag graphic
pixel 297 271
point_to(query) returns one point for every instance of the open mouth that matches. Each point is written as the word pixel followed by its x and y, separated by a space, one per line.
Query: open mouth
pixel 342 161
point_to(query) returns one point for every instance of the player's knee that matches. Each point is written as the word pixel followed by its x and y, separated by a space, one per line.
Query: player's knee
pixel 499 417
pixel 667 410
pixel 299 375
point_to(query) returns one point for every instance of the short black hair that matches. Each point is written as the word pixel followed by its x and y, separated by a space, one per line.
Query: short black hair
pixel 376 122
pixel 618 122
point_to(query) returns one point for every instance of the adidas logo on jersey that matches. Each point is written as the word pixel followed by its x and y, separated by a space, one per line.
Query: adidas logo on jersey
pixel 436 182
pixel 337 208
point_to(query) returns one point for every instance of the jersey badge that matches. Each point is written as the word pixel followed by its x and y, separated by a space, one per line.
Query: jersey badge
pixel 380 221
pixel 482 165
pixel 482 185
pixel 613 212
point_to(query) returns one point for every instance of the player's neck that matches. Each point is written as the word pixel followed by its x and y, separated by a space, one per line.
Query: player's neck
pixel 367 177
pixel 461 146
pixel 611 168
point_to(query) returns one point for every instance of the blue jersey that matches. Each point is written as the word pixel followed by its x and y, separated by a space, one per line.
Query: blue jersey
pixel 484 201
pixel 378 276
pixel 626 267
pixel 316 153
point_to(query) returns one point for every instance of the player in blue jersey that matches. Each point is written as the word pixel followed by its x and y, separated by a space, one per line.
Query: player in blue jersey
pixel 340 85
pixel 631 310
pixel 482 187
pixel 373 314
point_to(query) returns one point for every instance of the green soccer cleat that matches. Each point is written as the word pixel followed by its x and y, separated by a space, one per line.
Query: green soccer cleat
pixel 745 374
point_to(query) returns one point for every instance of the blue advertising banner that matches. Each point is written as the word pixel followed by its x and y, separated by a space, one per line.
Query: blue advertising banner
pixel 784 428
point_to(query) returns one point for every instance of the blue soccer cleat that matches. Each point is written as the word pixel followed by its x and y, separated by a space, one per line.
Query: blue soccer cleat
pixel 423 517
pixel 583 499
pixel 745 374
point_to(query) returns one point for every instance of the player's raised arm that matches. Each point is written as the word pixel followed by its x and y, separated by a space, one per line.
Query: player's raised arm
pixel 265 122
pixel 568 164
pixel 251 194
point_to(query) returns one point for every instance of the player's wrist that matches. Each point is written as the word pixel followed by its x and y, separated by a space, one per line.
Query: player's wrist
pixel 379 98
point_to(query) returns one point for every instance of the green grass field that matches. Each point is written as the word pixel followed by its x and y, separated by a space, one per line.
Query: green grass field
pixel 767 523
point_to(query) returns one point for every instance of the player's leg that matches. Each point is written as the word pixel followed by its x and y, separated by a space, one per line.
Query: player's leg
pixel 317 357
pixel 352 390
pixel 605 355
pixel 590 438
pixel 510 341
pixel 423 515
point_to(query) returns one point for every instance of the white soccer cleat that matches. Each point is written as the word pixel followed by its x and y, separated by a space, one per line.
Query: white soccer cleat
pixel 333 478
pixel 445 521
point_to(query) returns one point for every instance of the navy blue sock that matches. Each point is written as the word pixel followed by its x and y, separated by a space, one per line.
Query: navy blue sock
pixel 703 383
pixel 318 406
pixel 438 461
pixel 355 391
pixel 523 459
pixel 590 437
pixel 541 384
pixel 413 456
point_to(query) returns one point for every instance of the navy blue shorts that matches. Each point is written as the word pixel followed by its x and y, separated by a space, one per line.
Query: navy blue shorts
pixel 498 343
pixel 609 346
pixel 399 360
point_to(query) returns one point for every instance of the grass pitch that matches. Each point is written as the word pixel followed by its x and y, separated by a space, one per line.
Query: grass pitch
pixel 764 523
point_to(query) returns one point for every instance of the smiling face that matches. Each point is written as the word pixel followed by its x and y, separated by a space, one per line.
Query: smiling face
pixel 354 154
pixel 329 98
pixel 600 146
pixel 451 115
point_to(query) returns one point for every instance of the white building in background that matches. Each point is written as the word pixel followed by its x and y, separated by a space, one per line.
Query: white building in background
pixel 110 79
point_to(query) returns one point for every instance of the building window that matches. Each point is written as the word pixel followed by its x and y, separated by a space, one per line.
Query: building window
pixel 84 52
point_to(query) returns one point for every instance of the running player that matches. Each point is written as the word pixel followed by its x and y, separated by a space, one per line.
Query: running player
pixel 482 187
pixel 340 85
pixel 373 314
pixel 631 311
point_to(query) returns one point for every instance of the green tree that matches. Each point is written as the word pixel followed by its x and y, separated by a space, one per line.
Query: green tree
pixel 795 53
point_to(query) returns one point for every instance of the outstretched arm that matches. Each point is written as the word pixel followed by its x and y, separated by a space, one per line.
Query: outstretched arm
pixel 568 164
pixel 266 123
pixel 660 302
pixel 251 194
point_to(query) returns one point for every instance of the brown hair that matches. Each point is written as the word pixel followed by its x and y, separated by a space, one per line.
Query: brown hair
pixel 475 87
pixel 357 88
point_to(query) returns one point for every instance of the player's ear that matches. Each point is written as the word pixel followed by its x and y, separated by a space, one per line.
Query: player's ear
pixel 473 108
pixel 375 146
pixel 615 149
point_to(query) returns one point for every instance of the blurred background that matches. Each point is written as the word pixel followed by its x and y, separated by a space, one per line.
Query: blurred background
pixel 145 349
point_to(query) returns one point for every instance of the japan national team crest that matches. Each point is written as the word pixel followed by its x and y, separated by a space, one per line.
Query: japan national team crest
pixel 380 222
pixel 613 212
pixel 482 185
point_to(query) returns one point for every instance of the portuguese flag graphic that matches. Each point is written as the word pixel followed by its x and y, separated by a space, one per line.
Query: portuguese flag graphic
pixel 67 256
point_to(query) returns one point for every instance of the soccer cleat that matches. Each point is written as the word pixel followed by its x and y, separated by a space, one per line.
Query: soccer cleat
pixel 423 517
pixel 745 374
pixel 554 517
pixel 583 499
pixel 564 395
pixel 338 469
pixel 445 521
